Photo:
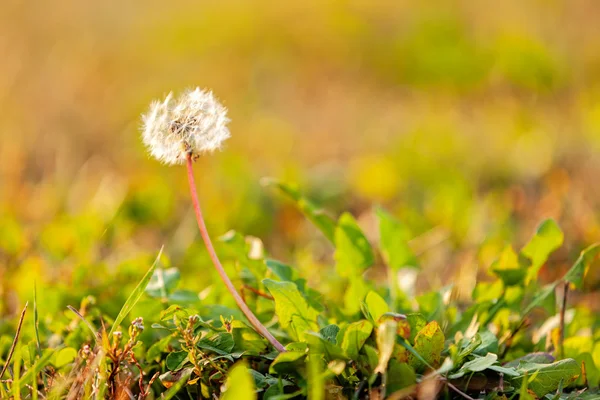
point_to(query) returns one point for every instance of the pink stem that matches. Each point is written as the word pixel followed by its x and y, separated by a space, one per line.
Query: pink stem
pixel 260 328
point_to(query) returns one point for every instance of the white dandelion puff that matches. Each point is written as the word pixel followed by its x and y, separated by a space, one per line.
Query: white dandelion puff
pixel 192 124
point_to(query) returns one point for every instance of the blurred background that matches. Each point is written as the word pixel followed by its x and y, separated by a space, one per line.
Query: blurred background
pixel 469 121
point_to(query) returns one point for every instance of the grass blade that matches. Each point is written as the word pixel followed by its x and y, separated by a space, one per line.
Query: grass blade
pixel 135 296
pixel 15 341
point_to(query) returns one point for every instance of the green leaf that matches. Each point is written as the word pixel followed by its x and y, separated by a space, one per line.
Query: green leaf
pixel 314 213
pixel 220 343
pixel 174 360
pixel 579 270
pixel 135 296
pixel 319 345
pixel 505 370
pixel 374 306
pixel 400 376
pixel 291 308
pixel 355 294
pixel 283 271
pixel 330 332
pixel 64 357
pixel 489 343
pixel 417 322
pixel 548 237
pixel 247 340
pixel 535 358
pixel 239 384
pixel 288 362
pixel 478 364
pixel 355 336
pixel 394 237
pixel 429 344
pixel 508 268
pixel 353 253
pixel 546 378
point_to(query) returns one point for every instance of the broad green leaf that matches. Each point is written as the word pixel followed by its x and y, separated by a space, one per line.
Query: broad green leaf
pixel 355 336
pixel 319 345
pixel 508 268
pixel 546 378
pixel 429 344
pixel 478 364
pixel 283 271
pixel 375 306
pixel 63 357
pixel 535 358
pixel 353 253
pixel 489 343
pixel 548 237
pixel 246 339
pixel 174 360
pixel 400 376
pixel 417 322
pixel 507 371
pixel 579 270
pixel 355 294
pixel 135 296
pixel 330 332
pixel 314 213
pixel 239 384
pixel 292 309
pixel 288 362
pixel 220 343
pixel 394 237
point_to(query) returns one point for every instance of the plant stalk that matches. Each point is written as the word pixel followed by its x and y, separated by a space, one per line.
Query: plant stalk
pixel 561 332
pixel 260 328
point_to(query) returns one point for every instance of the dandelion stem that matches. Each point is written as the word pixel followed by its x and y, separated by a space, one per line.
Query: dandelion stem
pixel 260 328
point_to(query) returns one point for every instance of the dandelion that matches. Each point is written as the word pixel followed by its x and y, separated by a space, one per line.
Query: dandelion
pixel 194 124
pixel 179 131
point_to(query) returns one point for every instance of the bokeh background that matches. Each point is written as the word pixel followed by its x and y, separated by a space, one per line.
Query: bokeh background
pixel 471 121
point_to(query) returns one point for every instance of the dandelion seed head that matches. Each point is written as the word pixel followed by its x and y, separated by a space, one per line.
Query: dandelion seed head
pixel 194 123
